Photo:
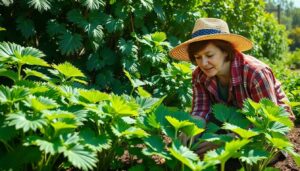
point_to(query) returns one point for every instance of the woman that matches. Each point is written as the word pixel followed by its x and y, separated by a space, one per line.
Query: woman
pixel 223 73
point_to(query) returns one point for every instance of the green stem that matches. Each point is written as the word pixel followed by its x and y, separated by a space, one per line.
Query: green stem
pixel 182 167
pixel 19 72
pixel 191 142
pixel 223 166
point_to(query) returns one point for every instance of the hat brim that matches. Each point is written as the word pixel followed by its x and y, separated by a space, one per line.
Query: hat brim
pixel 239 42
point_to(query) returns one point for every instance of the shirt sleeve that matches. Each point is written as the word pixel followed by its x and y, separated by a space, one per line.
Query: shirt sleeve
pixel 265 85
pixel 200 102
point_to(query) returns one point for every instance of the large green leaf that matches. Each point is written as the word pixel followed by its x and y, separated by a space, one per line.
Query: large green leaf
pixel 40 5
pixel 118 106
pixel 77 155
pixel 228 114
pixel 35 73
pixel 12 95
pixel 95 142
pixel 9 74
pixel 45 145
pixel 54 28
pixel 68 70
pixel 240 131
pixel 70 43
pixel 252 156
pixel 93 96
pixel 76 17
pixel 13 52
pixel 26 122
pixel 155 146
pixel 113 25
pixel 32 60
pixel 149 104
pixel 127 47
pixel 40 103
pixel 178 124
pixel 184 155
pixel 26 26
pixel 159 36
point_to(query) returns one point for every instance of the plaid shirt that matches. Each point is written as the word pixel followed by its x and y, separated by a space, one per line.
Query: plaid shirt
pixel 250 78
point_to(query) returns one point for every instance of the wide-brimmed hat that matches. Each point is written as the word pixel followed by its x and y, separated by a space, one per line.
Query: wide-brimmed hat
pixel 208 29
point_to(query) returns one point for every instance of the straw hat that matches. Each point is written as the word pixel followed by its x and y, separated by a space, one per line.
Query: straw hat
pixel 207 29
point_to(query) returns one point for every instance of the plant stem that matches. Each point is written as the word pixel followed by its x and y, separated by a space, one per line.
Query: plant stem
pixel 223 166
pixel 191 142
pixel 19 72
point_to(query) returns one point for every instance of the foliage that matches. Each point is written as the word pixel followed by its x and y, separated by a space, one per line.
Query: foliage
pixel 104 37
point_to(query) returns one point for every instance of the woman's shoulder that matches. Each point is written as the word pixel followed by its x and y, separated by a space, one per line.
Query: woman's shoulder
pixel 253 64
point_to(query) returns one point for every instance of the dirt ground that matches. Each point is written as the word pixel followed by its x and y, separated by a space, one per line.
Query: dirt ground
pixel 288 164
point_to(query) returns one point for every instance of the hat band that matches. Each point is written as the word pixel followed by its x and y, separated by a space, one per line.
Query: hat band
pixel 204 32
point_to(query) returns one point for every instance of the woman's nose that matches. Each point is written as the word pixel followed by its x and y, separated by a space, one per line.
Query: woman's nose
pixel 204 61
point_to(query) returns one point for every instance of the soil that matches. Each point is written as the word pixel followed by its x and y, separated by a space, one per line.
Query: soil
pixel 288 164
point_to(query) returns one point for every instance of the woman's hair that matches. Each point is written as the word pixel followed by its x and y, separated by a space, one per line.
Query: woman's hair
pixel 224 46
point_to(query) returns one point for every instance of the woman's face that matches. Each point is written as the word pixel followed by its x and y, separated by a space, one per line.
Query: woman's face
pixel 212 60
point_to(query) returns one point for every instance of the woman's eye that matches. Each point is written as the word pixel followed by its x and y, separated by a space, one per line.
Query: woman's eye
pixel 209 56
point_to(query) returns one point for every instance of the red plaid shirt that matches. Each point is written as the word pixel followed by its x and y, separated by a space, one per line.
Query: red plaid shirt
pixel 250 78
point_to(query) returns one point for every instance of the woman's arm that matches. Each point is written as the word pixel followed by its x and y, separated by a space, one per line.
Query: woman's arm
pixel 264 85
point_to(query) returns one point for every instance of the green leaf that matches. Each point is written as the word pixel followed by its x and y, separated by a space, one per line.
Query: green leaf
pixel 40 5
pixel 134 82
pixel 70 43
pixel 228 114
pixel 184 155
pixel 68 70
pixel 156 146
pixel 93 96
pixel 35 73
pixel 95 142
pixel 25 121
pixel 93 4
pixel 118 106
pixel 151 119
pixel 54 28
pixel 13 53
pixel 149 104
pixel 127 47
pixel 143 93
pixel 76 17
pixel 26 27
pixel 119 126
pixel 192 130
pixel 40 103
pixel 49 147
pixel 32 60
pixel 159 36
pixel 113 25
pixel 7 133
pixel 280 143
pixel 148 4
pixel 235 145
pixel 80 157
pixel 240 131
pixel 178 124
pixel 252 156
pixel 9 74
pixel 134 132
pixel 12 95
pixel 279 127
